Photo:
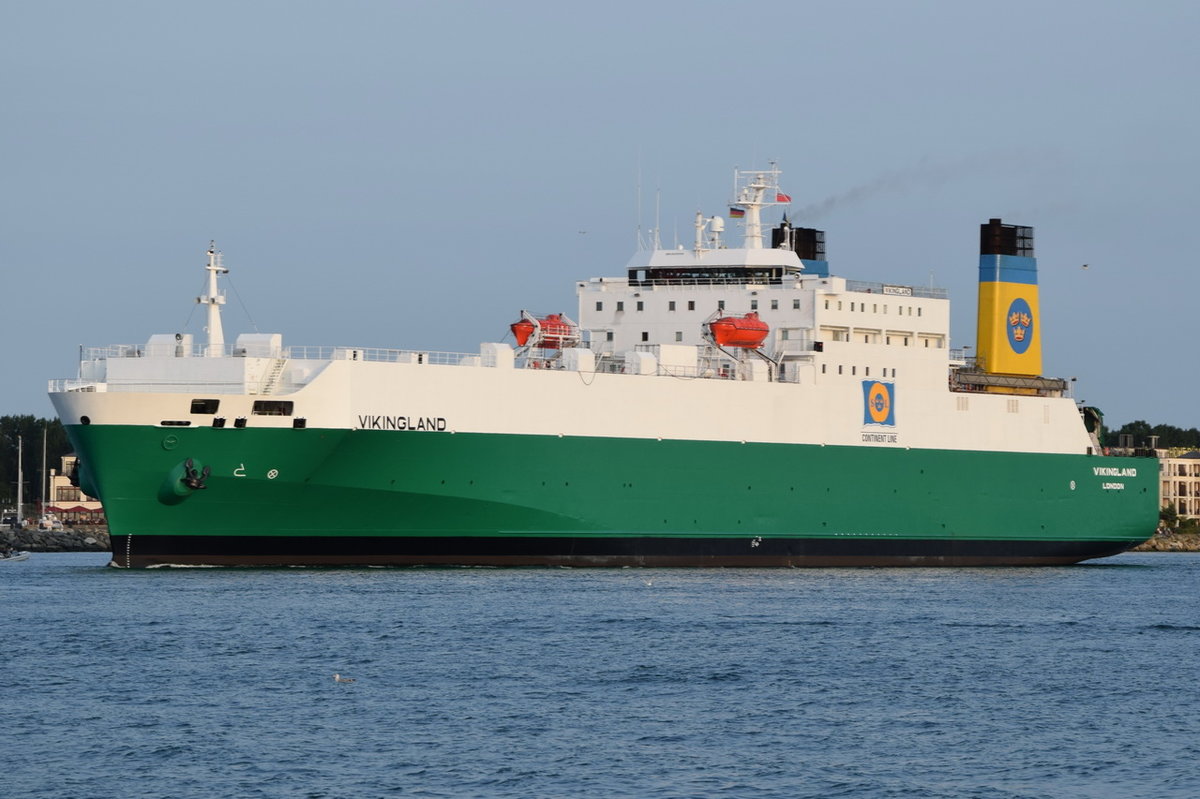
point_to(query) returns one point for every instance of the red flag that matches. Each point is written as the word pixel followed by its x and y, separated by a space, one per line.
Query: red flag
pixel 783 198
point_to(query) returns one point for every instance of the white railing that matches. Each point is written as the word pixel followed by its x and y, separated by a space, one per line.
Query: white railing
pixel 606 363
pixel 887 289
pixel 310 353
pixel 70 384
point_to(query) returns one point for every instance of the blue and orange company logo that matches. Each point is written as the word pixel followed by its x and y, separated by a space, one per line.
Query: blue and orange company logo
pixel 879 403
pixel 1019 324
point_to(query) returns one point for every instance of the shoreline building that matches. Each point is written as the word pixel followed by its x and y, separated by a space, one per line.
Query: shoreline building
pixel 67 502
pixel 1179 482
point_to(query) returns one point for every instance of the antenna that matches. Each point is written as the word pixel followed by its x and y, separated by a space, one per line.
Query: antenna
pixel 657 221
pixel 638 200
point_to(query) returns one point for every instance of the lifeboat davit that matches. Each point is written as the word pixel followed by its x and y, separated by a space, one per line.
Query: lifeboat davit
pixel 739 331
pixel 550 332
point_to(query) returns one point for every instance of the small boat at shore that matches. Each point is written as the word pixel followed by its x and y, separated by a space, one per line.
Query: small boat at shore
pixel 14 556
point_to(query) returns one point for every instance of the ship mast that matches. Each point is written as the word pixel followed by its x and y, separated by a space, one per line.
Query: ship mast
pixel 753 198
pixel 214 300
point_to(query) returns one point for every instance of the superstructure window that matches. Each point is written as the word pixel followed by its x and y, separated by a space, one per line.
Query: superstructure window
pixel 641 306
pixel 774 305
pixel 720 305
pixel 679 335
pixel 645 336
pixel 205 405
pixel 599 306
pixel 796 304
pixel 671 305
pixel 620 305
pixel 754 305
pixel 691 305
pixel 272 408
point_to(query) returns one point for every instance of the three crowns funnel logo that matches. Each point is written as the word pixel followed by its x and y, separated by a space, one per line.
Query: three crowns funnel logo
pixel 1019 324
pixel 879 403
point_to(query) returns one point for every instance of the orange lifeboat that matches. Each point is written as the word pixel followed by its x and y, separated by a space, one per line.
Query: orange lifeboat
pixel 550 332
pixel 522 331
pixel 739 331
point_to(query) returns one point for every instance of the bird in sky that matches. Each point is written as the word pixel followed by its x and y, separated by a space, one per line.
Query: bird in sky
pixel 340 678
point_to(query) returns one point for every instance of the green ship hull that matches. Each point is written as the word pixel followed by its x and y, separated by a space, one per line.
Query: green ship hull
pixel 362 497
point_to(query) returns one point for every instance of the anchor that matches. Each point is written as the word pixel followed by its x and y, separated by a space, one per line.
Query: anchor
pixel 193 479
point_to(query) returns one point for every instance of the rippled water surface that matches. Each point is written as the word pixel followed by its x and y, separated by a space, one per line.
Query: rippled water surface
pixel 1053 682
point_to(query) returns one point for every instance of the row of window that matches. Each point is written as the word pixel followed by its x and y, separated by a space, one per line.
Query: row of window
pixel 691 305
pixel 854 370
pixel 873 337
pixel 260 408
pixel 861 307
pixel 855 306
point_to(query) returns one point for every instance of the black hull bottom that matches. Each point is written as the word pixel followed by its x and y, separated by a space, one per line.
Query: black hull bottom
pixel 141 551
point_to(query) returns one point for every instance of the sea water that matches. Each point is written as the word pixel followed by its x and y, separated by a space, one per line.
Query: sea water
pixel 1005 682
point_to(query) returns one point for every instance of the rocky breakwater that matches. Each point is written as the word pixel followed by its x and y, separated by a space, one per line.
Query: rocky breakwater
pixel 72 539
pixel 1171 542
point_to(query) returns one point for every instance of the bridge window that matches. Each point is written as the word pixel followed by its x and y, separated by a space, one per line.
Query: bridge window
pixel 272 408
pixel 205 405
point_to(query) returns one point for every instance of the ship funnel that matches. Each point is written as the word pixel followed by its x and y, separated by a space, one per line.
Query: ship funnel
pixel 808 243
pixel 1008 335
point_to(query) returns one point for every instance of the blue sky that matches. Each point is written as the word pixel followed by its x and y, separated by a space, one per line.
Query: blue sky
pixel 410 175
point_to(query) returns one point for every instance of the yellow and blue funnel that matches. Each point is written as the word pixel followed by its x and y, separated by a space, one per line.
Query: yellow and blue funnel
pixel 1008 336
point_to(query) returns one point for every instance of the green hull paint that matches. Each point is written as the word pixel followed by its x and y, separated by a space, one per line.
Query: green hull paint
pixel 374 483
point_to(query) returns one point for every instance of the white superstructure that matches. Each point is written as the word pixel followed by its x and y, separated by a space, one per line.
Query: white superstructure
pixel 644 368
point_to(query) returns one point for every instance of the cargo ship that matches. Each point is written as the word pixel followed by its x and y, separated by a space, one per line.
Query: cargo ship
pixel 713 405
